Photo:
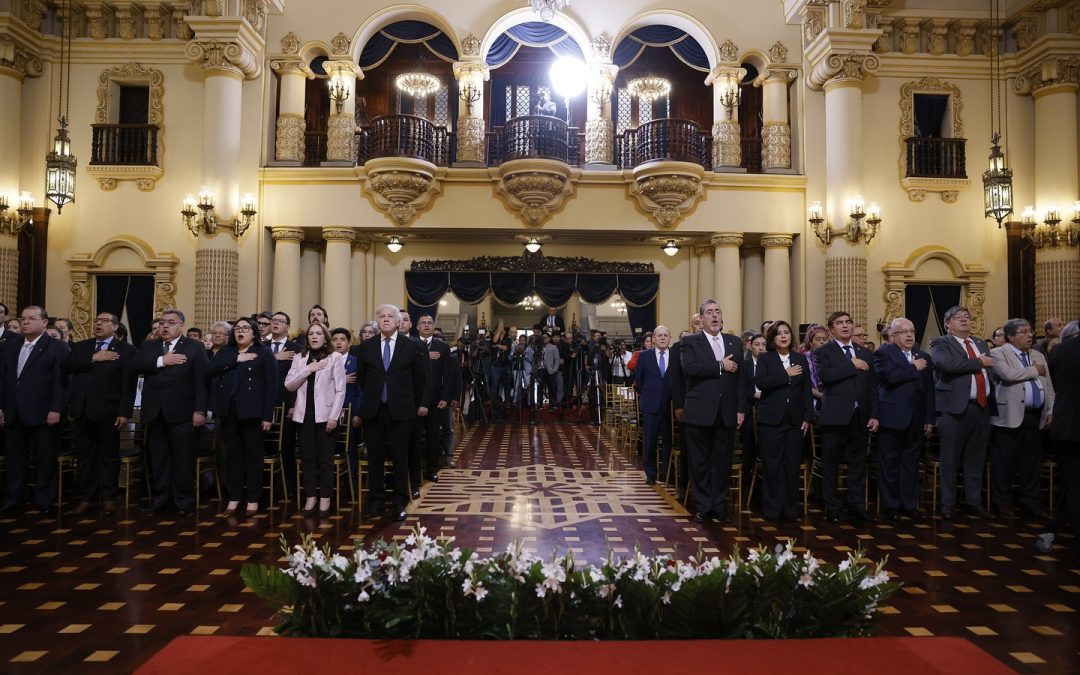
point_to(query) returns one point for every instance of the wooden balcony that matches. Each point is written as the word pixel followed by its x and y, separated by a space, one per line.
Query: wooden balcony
pixel 936 157
pixel 664 140
pixel 405 136
pixel 124 145
pixel 534 137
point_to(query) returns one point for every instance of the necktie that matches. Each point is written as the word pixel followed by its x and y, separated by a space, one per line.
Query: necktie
pixel 100 344
pixel 847 351
pixel 663 366
pixel 910 357
pixel 718 348
pixel 168 348
pixel 23 356
pixel 1036 391
pixel 277 347
pixel 385 365
pixel 980 378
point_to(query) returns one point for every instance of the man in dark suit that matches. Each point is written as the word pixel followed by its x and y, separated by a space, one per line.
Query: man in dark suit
pixel 32 399
pixel 390 368
pixel 963 398
pixel 5 334
pixel 848 410
pixel 652 378
pixel 1065 371
pixel 100 401
pixel 905 377
pixel 284 350
pixel 173 409
pixel 710 364
pixel 553 321
pixel 441 388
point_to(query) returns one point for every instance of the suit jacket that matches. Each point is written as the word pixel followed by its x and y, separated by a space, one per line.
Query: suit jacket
pixel 848 390
pixel 329 388
pixel 1010 377
pixel 176 392
pixel 1065 372
pixel 746 384
pixel 675 374
pixel 41 389
pixel 100 391
pixel 654 389
pixel 953 372
pixel 406 381
pixel 251 385
pixel 283 395
pixel 905 393
pixel 353 393
pixel 711 394
pixel 784 398
pixel 438 376
pixel 558 323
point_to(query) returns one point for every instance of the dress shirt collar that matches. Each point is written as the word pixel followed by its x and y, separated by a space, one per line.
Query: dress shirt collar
pixel 1019 352
pixel 27 343
pixel 392 337
pixel 849 343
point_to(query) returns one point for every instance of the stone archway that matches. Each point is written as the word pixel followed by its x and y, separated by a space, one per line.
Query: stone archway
pixel 972 279
pixel 85 265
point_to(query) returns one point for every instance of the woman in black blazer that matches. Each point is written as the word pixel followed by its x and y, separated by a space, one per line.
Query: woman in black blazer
pixel 246 376
pixel 784 413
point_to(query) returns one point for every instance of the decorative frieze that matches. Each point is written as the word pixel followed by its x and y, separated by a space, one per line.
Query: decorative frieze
pixel 777 240
pixel 286 233
pixel 727 145
pixel 845 286
pixel 775 146
pixel 289 138
pixel 516 264
pixel 157 26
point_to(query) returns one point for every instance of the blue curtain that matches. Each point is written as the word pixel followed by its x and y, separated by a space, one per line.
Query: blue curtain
pixel 135 294
pixel 596 288
pixel 469 287
pixel 917 307
pixel 685 47
pixel 532 34
pixel 642 319
pixel 498 101
pixel 427 288
pixel 555 288
pixel 929 114
pixel 383 42
pixel 510 288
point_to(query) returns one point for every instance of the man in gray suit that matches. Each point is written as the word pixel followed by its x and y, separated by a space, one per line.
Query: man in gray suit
pixel 964 399
pixel 1025 403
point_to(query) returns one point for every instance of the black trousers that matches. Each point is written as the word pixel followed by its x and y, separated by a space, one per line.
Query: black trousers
pixel 243 458
pixel 749 437
pixel 387 439
pixel 1010 448
pixel 435 425
pixel 963 438
pixel 317 457
pixel 781 454
pixel 898 466
pixel 657 428
pixel 844 443
pixel 709 449
pixel 20 440
pixel 99 460
pixel 1068 505
pixel 172 462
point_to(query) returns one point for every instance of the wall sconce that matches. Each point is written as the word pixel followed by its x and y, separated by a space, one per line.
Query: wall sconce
pixel 1050 236
pixel 731 97
pixel 670 249
pixel 339 90
pixel 205 220
pixel 23 216
pixel 470 93
pixel 394 245
pixel 601 94
pixel 856 230
pixel 533 245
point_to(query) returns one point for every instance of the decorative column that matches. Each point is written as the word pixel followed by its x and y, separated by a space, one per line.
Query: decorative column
pixel 293 74
pixel 725 79
pixel 471 75
pixel 341 129
pixel 727 286
pixel 1057 270
pixel 753 286
pixel 775 130
pixel 358 289
pixel 777 276
pixel 705 274
pixel 337 288
pixel 599 131
pixel 310 281
pixel 9 270
pixel 286 291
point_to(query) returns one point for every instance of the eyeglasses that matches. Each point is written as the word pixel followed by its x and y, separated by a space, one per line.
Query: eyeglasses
pixel 103 319
pixel 277 321
pixel 242 329
pixel 903 332
pixel 170 322
pixel 263 324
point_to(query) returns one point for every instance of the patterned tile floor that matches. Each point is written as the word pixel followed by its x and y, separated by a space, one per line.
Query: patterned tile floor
pixel 101 595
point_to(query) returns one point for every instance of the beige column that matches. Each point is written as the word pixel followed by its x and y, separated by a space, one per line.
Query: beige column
pixel 1057 270
pixel 753 285
pixel 337 289
pixel 727 141
pixel 289 139
pixel 775 130
pixel 341 128
pixel 358 290
pixel 286 291
pixel 727 284
pixel 471 76
pixel 599 130
pixel 310 281
pixel 777 277
pixel 11 79
pixel 706 273
pixel 9 270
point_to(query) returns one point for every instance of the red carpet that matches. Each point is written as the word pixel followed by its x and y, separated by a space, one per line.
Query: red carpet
pixel 267 655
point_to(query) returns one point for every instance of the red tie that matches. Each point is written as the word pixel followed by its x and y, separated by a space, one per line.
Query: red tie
pixel 980 379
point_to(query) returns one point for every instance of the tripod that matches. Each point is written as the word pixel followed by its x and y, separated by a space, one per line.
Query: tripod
pixel 478 390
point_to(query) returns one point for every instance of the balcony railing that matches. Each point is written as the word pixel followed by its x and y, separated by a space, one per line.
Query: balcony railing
pixel 533 137
pixel 751 155
pixel 314 148
pixel 125 145
pixel 936 157
pixel 405 136
pixel 671 140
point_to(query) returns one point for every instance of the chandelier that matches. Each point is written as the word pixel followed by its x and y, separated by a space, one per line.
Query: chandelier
pixel 997 179
pixel 530 302
pixel 649 88
pixel 417 84
pixel 618 304
pixel 60 163
pixel 547 9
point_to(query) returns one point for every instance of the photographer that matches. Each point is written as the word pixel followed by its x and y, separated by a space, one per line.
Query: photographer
pixel 620 358
pixel 501 343
pixel 521 366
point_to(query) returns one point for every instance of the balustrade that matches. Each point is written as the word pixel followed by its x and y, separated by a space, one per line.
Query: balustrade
pixel 936 157
pixel 670 140
pixel 125 144
pixel 405 136
pixel 534 137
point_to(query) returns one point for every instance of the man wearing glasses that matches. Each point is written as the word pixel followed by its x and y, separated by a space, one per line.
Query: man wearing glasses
pixel 100 401
pixel 173 408
pixel 283 350
pixel 263 322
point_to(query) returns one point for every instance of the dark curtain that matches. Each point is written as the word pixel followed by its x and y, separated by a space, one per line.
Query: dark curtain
pixel 534 34
pixel 596 288
pixel 639 289
pixel 383 42
pixel 135 294
pixel 416 311
pixel 510 288
pixel 502 50
pixel 929 114
pixel 678 41
pixel 498 101
pixel 470 287
pixel 917 307
pixel 642 319
pixel 426 288
pixel 944 296
pixel 555 288
pixel 111 293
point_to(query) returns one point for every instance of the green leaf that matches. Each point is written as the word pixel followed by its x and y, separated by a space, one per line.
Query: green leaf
pixel 269 583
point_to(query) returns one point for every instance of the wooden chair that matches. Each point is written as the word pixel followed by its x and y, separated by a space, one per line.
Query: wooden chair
pixel 272 462
pixel 132 459
pixel 206 459
pixel 67 461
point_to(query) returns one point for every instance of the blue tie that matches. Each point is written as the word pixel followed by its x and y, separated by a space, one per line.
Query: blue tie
pixel 385 365
pixel 663 366
pixel 100 344
pixel 1036 393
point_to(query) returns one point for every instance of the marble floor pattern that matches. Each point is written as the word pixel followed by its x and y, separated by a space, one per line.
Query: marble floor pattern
pixel 90 594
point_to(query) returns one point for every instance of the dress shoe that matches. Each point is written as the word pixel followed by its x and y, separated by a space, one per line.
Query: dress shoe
pixel 1006 514
pixel 401 515
pixel 650 481
pixel 108 509
pixel 432 476
pixel 416 493
pixel 374 511
pixel 80 509
pixel 252 509
pixel 701 517
pixel 862 516
pixel 892 514
pixel 832 516
pixel 979 511
pixel 9 509
pixel 946 513
pixel 914 514
pixel 231 507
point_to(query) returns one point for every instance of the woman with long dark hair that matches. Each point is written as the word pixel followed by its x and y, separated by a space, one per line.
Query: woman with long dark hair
pixel 244 384
pixel 317 376
pixel 784 415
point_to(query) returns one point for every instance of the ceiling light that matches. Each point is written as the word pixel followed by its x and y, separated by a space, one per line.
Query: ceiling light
pixel 394 245
pixel 649 88
pixel 533 245
pixel 670 248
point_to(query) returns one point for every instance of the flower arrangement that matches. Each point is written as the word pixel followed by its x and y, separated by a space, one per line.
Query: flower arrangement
pixel 424 588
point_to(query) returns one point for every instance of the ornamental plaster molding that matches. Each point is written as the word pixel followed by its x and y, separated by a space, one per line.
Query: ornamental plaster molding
pixel 777 240
pixel 727 144
pixel 470 46
pixel 16 60
pixel 727 239
pixel 1051 72
pixel 290 44
pixel 667 191
pixel 776 145
pixel 778 53
pixel 226 46
pixel 534 189
pixel 289 138
pixel 917 188
pixel 401 187
pixel 286 233
pixel 145 177
pixel 337 233
pixel 470 139
pixel 973 278
pixel 598 135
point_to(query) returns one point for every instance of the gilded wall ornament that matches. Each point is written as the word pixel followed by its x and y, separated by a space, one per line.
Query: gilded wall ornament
pixel 341 139
pixel 401 187
pixel 290 44
pixel 598 135
pixel 775 146
pixel 470 46
pixel 729 52
pixel 727 144
pixel 601 47
pixel 778 53
pixel 534 189
pixel 339 45
pixel 470 140
pixel 667 191
pixel 289 139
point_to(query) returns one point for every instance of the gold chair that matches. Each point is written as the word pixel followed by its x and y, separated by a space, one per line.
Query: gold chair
pixel 340 459
pixel 272 461
pixel 67 461
pixel 206 459
pixel 1049 466
pixel 132 446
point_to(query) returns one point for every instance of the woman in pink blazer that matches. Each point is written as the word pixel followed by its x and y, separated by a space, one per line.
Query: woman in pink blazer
pixel 317 376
